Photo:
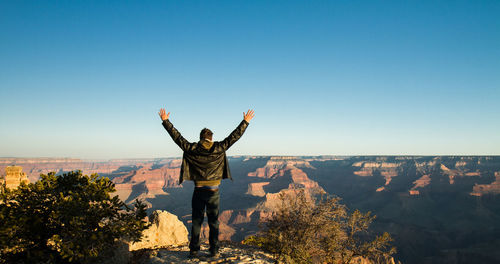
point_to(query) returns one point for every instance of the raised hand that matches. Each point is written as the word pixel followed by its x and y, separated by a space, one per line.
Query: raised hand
pixel 162 114
pixel 249 115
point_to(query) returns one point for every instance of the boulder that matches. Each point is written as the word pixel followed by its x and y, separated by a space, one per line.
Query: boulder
pixel 166 230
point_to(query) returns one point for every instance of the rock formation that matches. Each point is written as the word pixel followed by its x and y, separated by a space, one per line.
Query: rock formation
pixel 386 169
pixel 13 177
pixel 420 183
pixel 276 166
pixel 166 230
pixel 284 175
pixel 492 188
pixel 257 188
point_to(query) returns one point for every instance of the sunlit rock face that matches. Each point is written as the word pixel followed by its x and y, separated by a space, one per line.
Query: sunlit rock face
pixel 13 177
pixel 147 180
pixel 491 188
pixel 166 230
pixel 420 183
pixel 276 166
pixel 257 189
pixel 386 169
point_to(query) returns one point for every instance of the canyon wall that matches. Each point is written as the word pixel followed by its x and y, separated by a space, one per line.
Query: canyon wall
pixel 437 208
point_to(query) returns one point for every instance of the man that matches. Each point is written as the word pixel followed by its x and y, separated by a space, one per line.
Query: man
pixel 205 163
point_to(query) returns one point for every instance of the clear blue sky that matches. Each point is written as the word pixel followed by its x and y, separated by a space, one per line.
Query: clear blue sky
pixel 86 79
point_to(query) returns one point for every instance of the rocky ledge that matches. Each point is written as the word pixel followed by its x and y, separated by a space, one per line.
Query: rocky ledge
pixel 229 253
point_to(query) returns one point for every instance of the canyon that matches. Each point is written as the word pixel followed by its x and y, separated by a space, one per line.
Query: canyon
pixel 438 209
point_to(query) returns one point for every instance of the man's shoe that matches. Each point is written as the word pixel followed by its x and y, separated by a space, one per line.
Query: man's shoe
pixel 214 253
pixel 193 254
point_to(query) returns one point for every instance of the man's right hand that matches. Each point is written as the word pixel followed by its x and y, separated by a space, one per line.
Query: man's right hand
pixel 162 114
pixel 249 115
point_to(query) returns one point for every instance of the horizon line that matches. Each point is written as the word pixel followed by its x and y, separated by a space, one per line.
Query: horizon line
pixel 236 156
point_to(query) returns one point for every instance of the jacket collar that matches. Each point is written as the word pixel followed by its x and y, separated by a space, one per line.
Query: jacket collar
pixel 207 144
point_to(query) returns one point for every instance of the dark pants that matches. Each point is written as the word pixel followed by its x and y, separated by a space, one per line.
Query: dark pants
pixel 201 199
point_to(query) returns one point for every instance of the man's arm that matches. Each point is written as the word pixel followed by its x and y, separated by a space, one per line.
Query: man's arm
pixel 238 132
pixel 172 131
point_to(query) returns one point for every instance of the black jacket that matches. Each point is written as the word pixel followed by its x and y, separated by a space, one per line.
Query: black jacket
pixel 201 164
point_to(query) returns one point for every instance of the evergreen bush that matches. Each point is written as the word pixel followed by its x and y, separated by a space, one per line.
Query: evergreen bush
pixel 68 218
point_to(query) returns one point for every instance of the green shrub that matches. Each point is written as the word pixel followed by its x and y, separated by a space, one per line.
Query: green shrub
pixel 306 230
pixel 65 218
